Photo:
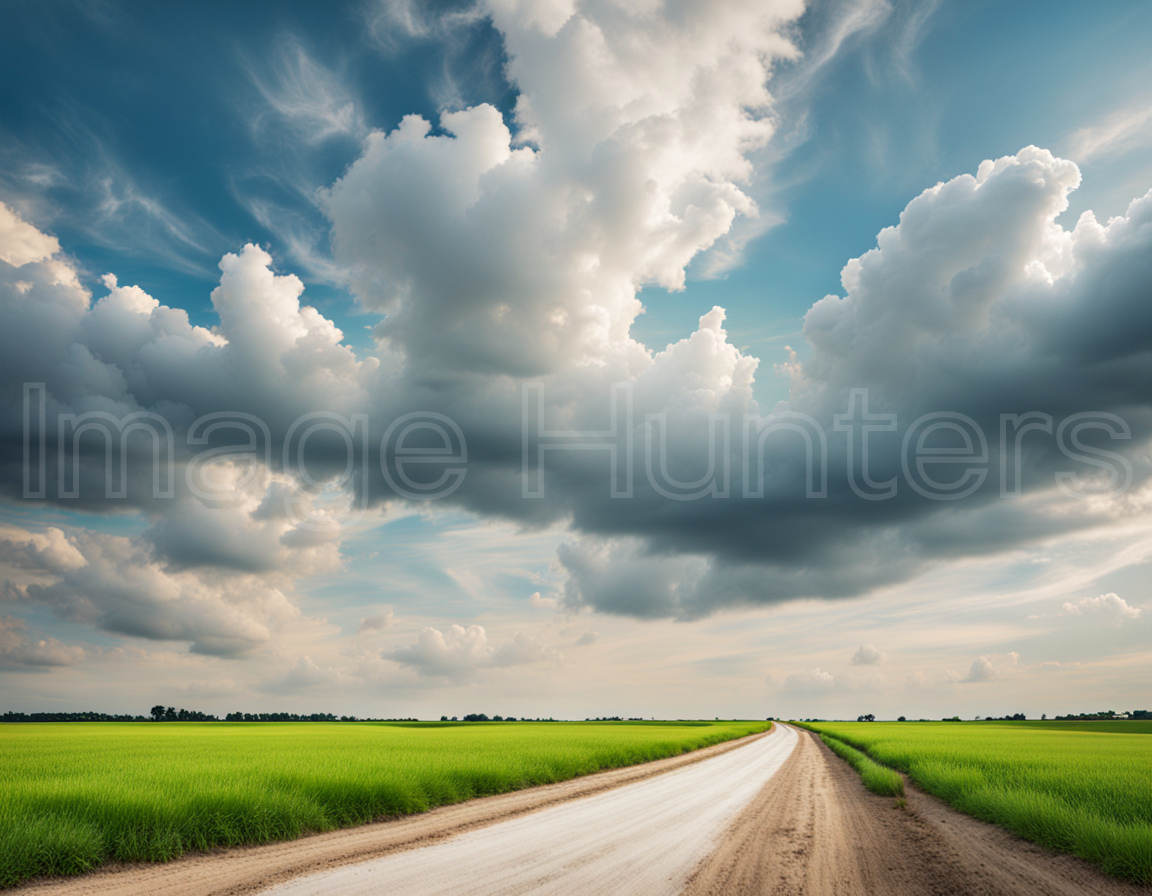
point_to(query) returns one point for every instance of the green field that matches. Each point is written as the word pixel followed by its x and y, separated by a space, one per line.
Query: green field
pixel 1079 787
pixel 75 795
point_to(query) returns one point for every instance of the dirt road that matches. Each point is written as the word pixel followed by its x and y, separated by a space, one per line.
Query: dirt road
pixel 775 815
pixel 645 838
pixel 814 830
pixel 243 870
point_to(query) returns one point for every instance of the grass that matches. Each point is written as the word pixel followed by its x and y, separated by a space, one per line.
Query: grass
pixel 74 796
pixel 1078 787
pixel 876 777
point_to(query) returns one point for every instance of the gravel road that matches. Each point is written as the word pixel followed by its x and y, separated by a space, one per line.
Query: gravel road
pixel 645 838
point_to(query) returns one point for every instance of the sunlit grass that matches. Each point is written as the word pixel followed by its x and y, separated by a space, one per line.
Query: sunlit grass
pixel 876 777
pixel 73 796
pixel 1083 788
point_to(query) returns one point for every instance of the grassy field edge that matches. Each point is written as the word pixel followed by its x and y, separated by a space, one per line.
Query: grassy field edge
pixel 876 777
pixel 61 820
pixel 1120 850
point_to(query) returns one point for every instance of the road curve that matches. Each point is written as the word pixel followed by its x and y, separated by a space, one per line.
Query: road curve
pixel 643 838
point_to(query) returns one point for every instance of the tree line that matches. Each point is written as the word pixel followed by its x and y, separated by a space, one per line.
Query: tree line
pixel 160 713
pixel 69 717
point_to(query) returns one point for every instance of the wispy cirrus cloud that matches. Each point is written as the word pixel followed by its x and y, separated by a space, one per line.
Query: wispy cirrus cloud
pixel 1117 133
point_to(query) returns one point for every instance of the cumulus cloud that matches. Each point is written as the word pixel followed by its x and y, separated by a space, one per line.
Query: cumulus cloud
pixel 118 584
pixel 500 253
pixel 377 623
pixel 21 243
pixel 1110 604
pixel 810 681
pixel 992 667
pixel 19 650
pixel 305 675
pixel 459 653
pixel 867 655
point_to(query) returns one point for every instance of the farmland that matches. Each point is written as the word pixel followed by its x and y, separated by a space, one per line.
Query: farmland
pixel 74 796
pixel 1083 788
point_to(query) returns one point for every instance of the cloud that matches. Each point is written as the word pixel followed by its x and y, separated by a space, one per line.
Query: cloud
pixel 377 623
pixel 810 681
pixel 536 600
pixel 19 651
pixel 992 667
pixel 1121 131
pixel 867 656
pixel 503 250
pixel 21 243
pixel 981 670
pixel 1110 604
pixel 589 637
pixel 306 96
pixel 639 125
pixel 119 585
pixel 459 653
pixel 306 675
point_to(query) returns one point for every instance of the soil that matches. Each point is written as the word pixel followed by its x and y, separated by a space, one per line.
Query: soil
pixel 814 830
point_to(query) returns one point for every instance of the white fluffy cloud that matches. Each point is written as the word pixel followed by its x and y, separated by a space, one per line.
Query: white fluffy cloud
pixel 979 298
pixel 867 655
pixel 992 667
pixel 459 653
pixel 1110 604
pixel 21 243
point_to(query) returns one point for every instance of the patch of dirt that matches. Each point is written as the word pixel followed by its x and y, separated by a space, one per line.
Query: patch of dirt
pixel 814 830
pixel 250 869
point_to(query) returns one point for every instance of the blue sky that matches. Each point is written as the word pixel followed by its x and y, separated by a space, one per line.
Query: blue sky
pixel 164 104
pixel 153 140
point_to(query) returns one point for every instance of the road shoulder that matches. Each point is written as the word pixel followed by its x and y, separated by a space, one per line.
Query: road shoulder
pixel 815 830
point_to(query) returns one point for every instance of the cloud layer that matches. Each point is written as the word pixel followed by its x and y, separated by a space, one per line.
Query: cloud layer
pixel 497 251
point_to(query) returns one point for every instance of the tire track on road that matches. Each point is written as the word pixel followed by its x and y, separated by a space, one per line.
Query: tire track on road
pixel 814 830
pixel 645 838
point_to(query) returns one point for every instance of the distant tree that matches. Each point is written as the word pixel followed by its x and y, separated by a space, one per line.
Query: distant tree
pixel 157 713
pixel 443 718
pixel 901 719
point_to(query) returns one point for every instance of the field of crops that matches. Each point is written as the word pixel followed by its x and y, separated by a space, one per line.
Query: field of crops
pixel 75 795
pixel 1083 788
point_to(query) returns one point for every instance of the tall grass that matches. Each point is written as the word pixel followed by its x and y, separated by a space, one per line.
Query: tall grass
pixel 876 777
pixel 73 796
pixel 1083 789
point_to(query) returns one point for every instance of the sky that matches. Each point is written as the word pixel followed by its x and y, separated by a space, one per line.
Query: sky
pixel 576 359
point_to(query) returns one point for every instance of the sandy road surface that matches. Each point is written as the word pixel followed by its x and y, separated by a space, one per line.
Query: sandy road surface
pixel 645 838
pixel 242 870
pixel 814 830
